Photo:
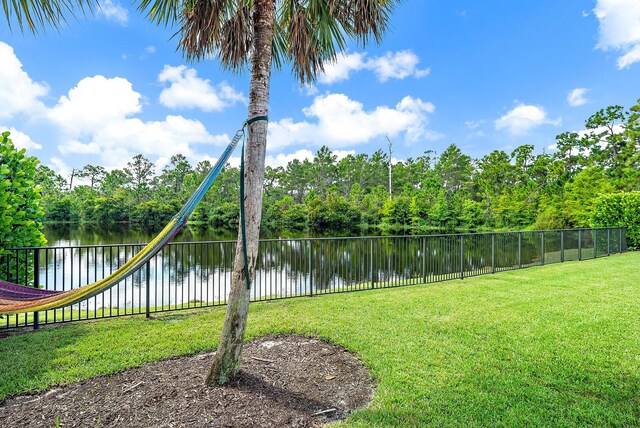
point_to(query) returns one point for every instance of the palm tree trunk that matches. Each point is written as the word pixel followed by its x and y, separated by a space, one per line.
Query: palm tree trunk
pixel 226 363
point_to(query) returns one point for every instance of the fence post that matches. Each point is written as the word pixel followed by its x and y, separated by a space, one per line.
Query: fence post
pixel 493 252
pixel 424 260
pixel 608 241
pixel 620 243
pixel 148 286
pixel 595 243
pixel 310 268
pixel 36 284
pixel 371 264
pixel 542 246
pixel 461 256
pixel 562 246
pixel 579 244
pixel 519 250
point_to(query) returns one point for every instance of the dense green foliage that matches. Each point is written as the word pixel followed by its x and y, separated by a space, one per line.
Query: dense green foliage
pixel 20 211
pixel 555 345
pixel 620 209
pixel 446 191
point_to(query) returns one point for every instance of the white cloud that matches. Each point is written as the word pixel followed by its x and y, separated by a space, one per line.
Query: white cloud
pixel 187 90
pixel 632 56
pixel 340 122
pixel 96 118
pixel 113 12
pixel 308 89
pixel 150 49
pixel 78 148
pixel 576 97
pixel 616 129
pixel 60 167
pixel 474 124
pixel 393 65
pixel 117 141
pixel 20 139
pixel 342 67
pixel 523 118
pixel 619 29
pixel 18 93
pixel 282 159
pixel 398 65
pixel 94 102
pixel 341 154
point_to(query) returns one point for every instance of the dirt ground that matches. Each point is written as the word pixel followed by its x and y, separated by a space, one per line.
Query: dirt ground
pixel 285 381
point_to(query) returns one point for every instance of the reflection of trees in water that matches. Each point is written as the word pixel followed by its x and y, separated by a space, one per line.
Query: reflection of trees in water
pixel 339 263
pixel 186 271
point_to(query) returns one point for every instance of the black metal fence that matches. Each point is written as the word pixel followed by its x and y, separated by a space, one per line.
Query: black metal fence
pixel 186 275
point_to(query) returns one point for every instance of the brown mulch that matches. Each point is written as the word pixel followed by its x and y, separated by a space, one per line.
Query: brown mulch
pixel 285 381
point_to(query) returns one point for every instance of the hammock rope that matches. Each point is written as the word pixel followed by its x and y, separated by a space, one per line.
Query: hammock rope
pixel 243 223
pixel 15 298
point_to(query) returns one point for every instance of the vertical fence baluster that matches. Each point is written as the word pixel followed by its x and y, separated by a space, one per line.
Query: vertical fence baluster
pixel 620 242
pixel 148 288
pixel 579 244
pixel 373 285
pixel 424 259
pixel 461 256
pixel 401 266
pixel 519 250
pixel 36 284
pixel 311 268
pixel 493 253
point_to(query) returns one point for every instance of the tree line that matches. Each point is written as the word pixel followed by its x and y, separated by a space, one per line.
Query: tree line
pixel 449 191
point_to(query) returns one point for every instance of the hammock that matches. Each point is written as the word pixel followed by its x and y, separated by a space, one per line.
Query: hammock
pixel 15 298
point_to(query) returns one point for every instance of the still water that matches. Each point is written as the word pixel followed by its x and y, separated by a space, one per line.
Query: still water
pixel 69 235
pixel 195 271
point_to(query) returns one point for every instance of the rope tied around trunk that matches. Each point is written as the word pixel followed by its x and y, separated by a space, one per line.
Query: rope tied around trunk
pixel 243 225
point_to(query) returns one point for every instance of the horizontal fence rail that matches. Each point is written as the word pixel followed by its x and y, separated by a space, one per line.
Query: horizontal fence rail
pixel 187 275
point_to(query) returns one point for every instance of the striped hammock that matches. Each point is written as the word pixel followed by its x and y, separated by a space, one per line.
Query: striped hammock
pixel 15 299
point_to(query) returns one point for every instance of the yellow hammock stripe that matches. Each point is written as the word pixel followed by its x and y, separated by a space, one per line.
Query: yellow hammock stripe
pixel 10 306
pixel 72 296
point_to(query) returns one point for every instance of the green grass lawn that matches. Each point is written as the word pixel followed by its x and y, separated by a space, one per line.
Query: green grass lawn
pixel 556 345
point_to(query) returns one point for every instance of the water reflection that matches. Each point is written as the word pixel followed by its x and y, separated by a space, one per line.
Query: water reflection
pixel 191 274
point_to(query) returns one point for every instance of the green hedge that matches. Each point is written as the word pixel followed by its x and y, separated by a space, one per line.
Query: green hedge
pixel 20 211
pixel 619 209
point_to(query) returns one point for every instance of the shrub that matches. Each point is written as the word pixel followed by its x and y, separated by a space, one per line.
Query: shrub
pixel 619 209
pixel 20 211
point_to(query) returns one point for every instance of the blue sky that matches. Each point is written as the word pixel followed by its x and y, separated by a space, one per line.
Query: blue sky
pixel 483 75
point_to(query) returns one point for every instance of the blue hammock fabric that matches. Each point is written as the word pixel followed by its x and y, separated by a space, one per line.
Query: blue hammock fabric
pixel 15 298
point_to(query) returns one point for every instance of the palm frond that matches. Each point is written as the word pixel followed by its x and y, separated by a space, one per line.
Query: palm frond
pixel 368 18
pixel 236 41
pixel 217 27
pixel 163 12
pixel 38 15
pixel 307 33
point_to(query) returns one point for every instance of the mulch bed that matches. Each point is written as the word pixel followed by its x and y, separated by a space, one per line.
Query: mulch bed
pixel 285 381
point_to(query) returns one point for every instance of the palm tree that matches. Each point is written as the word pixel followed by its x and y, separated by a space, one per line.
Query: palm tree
pixel 306 33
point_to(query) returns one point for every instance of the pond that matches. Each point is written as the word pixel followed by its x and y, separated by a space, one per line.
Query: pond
pixel 196 269
pixel 70 235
